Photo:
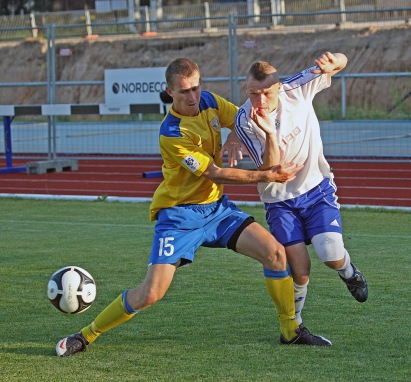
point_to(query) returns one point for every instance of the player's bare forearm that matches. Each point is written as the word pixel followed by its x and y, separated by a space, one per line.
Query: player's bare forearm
pixel 282 174
pixel 330 63
pixel 272 153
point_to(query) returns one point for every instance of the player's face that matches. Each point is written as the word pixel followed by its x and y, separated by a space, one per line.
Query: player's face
pixel 263 94
pixel 186 93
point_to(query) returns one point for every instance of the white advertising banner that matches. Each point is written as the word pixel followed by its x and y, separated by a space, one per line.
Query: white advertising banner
pixel 134 86
pixel 6 110
pixel 114 109
pixel 56 109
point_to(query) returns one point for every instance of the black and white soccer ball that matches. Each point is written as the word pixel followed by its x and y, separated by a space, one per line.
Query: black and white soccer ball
pixel 71 290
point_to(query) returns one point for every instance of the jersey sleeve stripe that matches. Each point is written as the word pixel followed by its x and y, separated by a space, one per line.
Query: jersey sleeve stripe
pixel 299 79
pixel 245 138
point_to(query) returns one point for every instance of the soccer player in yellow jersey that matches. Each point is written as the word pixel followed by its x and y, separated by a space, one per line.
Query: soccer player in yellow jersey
pixel 192 211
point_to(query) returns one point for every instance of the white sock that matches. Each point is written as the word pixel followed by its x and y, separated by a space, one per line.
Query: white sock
pixel 300 293
pixel 346 270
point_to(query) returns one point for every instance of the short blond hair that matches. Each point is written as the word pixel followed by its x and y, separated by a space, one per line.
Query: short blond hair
pixel 260 70
pixel 180 67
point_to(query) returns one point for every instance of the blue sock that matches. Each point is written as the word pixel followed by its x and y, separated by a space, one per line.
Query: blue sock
pixel 277 274
pixel 126 305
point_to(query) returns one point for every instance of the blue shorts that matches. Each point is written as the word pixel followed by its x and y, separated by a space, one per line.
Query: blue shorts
pixel 180 230
pixel 299 219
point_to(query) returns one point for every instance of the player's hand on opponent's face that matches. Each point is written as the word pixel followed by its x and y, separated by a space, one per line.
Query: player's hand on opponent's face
pixel 260 117
pixel 326 63
pixel 285 172
pixel 234 147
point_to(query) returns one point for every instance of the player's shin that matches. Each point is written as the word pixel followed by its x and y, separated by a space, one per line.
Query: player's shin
pixel 300 293
pixel 115 314
pixel 347 270
pixel 280 287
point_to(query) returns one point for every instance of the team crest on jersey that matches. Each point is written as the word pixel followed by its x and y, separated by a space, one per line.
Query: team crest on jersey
pixel 277 124
pixel 215 124
pixel 192 163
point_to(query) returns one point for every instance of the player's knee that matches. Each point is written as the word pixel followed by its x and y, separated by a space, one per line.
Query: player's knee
pixel 329 247
pixel 301 279
pixel 338 264
pixel 143 297
pixel 276 258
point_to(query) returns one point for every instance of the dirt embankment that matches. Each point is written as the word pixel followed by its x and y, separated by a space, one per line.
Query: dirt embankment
pixel 368 50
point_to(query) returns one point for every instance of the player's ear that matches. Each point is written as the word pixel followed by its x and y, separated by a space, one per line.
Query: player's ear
pixel 169 91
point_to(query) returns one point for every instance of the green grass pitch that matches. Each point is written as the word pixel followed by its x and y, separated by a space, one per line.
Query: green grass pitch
pixel 216 323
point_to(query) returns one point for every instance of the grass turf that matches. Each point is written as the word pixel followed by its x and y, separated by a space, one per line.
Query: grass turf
pixel 216 322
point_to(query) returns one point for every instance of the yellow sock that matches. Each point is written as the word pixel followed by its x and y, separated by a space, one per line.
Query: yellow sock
pixel 113 315
pixel 281 291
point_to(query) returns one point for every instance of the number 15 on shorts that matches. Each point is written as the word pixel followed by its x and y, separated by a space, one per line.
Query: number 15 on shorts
pixel 166 247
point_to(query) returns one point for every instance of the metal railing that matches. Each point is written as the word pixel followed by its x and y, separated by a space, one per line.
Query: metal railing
pixel 263 13
pixel 59 56
pixel 62 60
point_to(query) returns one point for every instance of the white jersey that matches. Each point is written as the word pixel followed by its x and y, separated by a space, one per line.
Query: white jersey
pixel 298 134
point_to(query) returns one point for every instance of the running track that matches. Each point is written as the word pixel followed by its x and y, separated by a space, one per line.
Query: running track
pixel 378 183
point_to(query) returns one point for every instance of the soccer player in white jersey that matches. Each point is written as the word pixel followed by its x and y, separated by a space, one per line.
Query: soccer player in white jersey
pixel 278 124
pixel 192 211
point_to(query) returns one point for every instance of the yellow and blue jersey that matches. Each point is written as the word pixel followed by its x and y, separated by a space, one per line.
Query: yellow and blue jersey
pixel 188 145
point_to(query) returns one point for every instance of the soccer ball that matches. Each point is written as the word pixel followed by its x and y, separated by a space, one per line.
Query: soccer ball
pixel 71 290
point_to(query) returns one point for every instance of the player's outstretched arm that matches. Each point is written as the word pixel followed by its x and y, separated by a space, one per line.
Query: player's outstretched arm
pixel 281 173
pixel 330 63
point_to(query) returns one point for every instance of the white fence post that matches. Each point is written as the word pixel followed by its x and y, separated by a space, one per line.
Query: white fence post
pixel 147 19
pixel 34 28
pixel 88 23
pixel 131 15
pixel 342 9
pixel 277 7
pixel 153 8
pixel 207 14
pixel 253 8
